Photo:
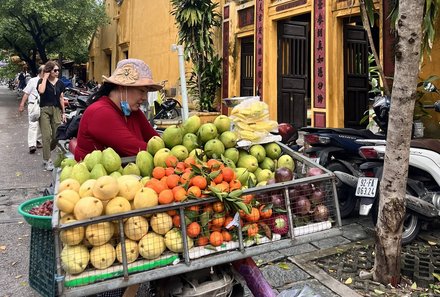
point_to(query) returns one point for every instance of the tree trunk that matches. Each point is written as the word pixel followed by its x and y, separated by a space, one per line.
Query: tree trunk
pixel 392 190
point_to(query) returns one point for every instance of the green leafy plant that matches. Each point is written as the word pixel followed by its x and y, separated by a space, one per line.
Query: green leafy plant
pixel 196 21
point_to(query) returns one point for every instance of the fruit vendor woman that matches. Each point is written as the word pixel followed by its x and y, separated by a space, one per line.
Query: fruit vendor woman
pixel 114 118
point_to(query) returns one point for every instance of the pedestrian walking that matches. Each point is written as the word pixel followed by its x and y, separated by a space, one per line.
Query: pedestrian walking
pixel 51 91
pixel 31 95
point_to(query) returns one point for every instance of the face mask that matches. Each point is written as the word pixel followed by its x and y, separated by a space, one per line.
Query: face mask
pixel 125 108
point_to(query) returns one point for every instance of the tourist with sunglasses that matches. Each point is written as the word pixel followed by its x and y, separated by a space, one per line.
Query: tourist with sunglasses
pixel 51 91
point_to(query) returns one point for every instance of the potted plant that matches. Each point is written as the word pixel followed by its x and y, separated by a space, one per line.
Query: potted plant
pixel 196 21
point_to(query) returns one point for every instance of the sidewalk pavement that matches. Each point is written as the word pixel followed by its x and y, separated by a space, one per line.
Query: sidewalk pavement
pixel 22 177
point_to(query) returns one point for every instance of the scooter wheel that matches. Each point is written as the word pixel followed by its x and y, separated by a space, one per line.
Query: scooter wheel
pixel 347 199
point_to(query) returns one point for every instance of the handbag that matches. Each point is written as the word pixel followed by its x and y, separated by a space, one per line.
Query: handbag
pixel 34 110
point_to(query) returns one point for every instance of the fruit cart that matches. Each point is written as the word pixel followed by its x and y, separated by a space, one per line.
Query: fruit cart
pixel 301 210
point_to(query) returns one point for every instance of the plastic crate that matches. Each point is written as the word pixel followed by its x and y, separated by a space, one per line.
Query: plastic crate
pixel 42 265
pixel 42 222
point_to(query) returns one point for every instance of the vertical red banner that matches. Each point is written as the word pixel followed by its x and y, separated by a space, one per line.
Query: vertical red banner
pixel 259 47
pixel 225 80
pixel 319 54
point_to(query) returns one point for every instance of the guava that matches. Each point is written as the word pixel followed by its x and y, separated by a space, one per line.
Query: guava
pixel 207 132
pixel 249 162
pixel 192 124
pixel 273 150
pixel 222 123
pixel 180 152
pixel 232 154
pixel 258 152
pixel 214 148
pixel 154 144
pixel 190 141
pixel 229 139
pixel 172 136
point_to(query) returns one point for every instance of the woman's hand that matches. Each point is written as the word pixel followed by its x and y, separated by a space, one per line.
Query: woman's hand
pixel 63 117
pixel 46 75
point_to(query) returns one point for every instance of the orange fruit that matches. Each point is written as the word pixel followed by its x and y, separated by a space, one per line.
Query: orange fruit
pixel 173 181
pixel 188 161
pixel 213 164
pixel 171 161
pixel 265 213
pixel 216 238
pixel 226 235
pixel 179 193
pixel 194 208
pixel 176 221
pixel 180 166
pixel 193 229
pixel 218 179
pixel 254 216
pixel 227 221
pixel 185 177
pixel 195 191
pixel 199 181
pixel 158 172
pixel 218 206
pixel 252 230
pixel 169 171
pixel 202 240
pixel 166 197
pixel 172 212
pixel 234 185
pixel 247 198
pixel 218 220
pixel 157 186
pixel 228 174
pixel 214 228
pixel 208 208
pixel 223 186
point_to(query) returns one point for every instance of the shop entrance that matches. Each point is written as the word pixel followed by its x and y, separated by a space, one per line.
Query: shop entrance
pixel 293 71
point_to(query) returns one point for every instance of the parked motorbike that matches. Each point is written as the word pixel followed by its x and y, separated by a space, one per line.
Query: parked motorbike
pixel 423 184
pixel 337 150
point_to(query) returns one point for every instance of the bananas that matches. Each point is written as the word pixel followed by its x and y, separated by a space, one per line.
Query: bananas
pixel 251 120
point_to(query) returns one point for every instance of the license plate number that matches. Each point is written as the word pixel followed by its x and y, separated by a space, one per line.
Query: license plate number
pixel 366 187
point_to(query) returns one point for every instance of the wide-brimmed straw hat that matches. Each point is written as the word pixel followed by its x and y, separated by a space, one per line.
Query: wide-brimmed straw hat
pixel 133 73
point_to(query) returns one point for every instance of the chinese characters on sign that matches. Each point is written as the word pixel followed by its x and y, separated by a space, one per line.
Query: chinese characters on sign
pixel 259 47
pixel 319 60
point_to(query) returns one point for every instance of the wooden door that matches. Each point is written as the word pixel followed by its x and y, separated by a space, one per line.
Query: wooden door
pixel 247 67
pixel 293 72
pixel 356 76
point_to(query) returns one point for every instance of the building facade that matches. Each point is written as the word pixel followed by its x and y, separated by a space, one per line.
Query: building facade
pixel 308 59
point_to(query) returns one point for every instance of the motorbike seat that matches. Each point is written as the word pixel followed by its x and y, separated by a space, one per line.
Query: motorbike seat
pixel 429 144
pixel 364 133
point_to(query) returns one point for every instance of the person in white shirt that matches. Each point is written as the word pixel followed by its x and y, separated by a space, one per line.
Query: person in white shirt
pixel 31 94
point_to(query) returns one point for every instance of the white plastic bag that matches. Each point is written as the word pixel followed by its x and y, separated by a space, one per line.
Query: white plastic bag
pixel 34 110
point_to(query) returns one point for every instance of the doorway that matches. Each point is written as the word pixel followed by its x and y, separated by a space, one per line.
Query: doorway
pixel 247 67
pixel 293 70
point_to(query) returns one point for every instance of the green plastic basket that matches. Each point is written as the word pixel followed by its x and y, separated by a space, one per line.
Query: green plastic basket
pixel 42 222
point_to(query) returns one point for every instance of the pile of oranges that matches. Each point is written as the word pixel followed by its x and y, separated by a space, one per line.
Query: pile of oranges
pixel 207 223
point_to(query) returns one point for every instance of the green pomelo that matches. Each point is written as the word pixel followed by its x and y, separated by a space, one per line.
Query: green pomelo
pixel 110 160
pixel 67 162
pixel 232 154
pixel 286 161
pixel 252 179
pixel 92 159
pixel 172 136
pixel 258 152
pixel 145 163
pixel 154 144
pixel 264 175
pixel 229 139
pixel 273 150
pixel 192 124
pixel 222 123
pixel 199 154
pixel 190 141
pixel 80 173
pixel 214 148
pixel 66 172
pixel 242 175
pixel 97 171
pixel 131 168
pixel 160 157
pixel 242 152
pixel 180 152
pixel 249 162
pixel 267 163
pixel 207 132
pixel 115 174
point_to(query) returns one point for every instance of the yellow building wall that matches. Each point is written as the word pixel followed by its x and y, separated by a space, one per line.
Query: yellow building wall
pixel 145 29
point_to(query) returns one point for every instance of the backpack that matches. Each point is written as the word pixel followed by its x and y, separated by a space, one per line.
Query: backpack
pixel 69 129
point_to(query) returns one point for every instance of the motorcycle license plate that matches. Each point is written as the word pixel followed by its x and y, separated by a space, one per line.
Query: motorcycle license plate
pixel 366 186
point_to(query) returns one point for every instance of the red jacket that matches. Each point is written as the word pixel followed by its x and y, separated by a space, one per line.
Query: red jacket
pixel 104 125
